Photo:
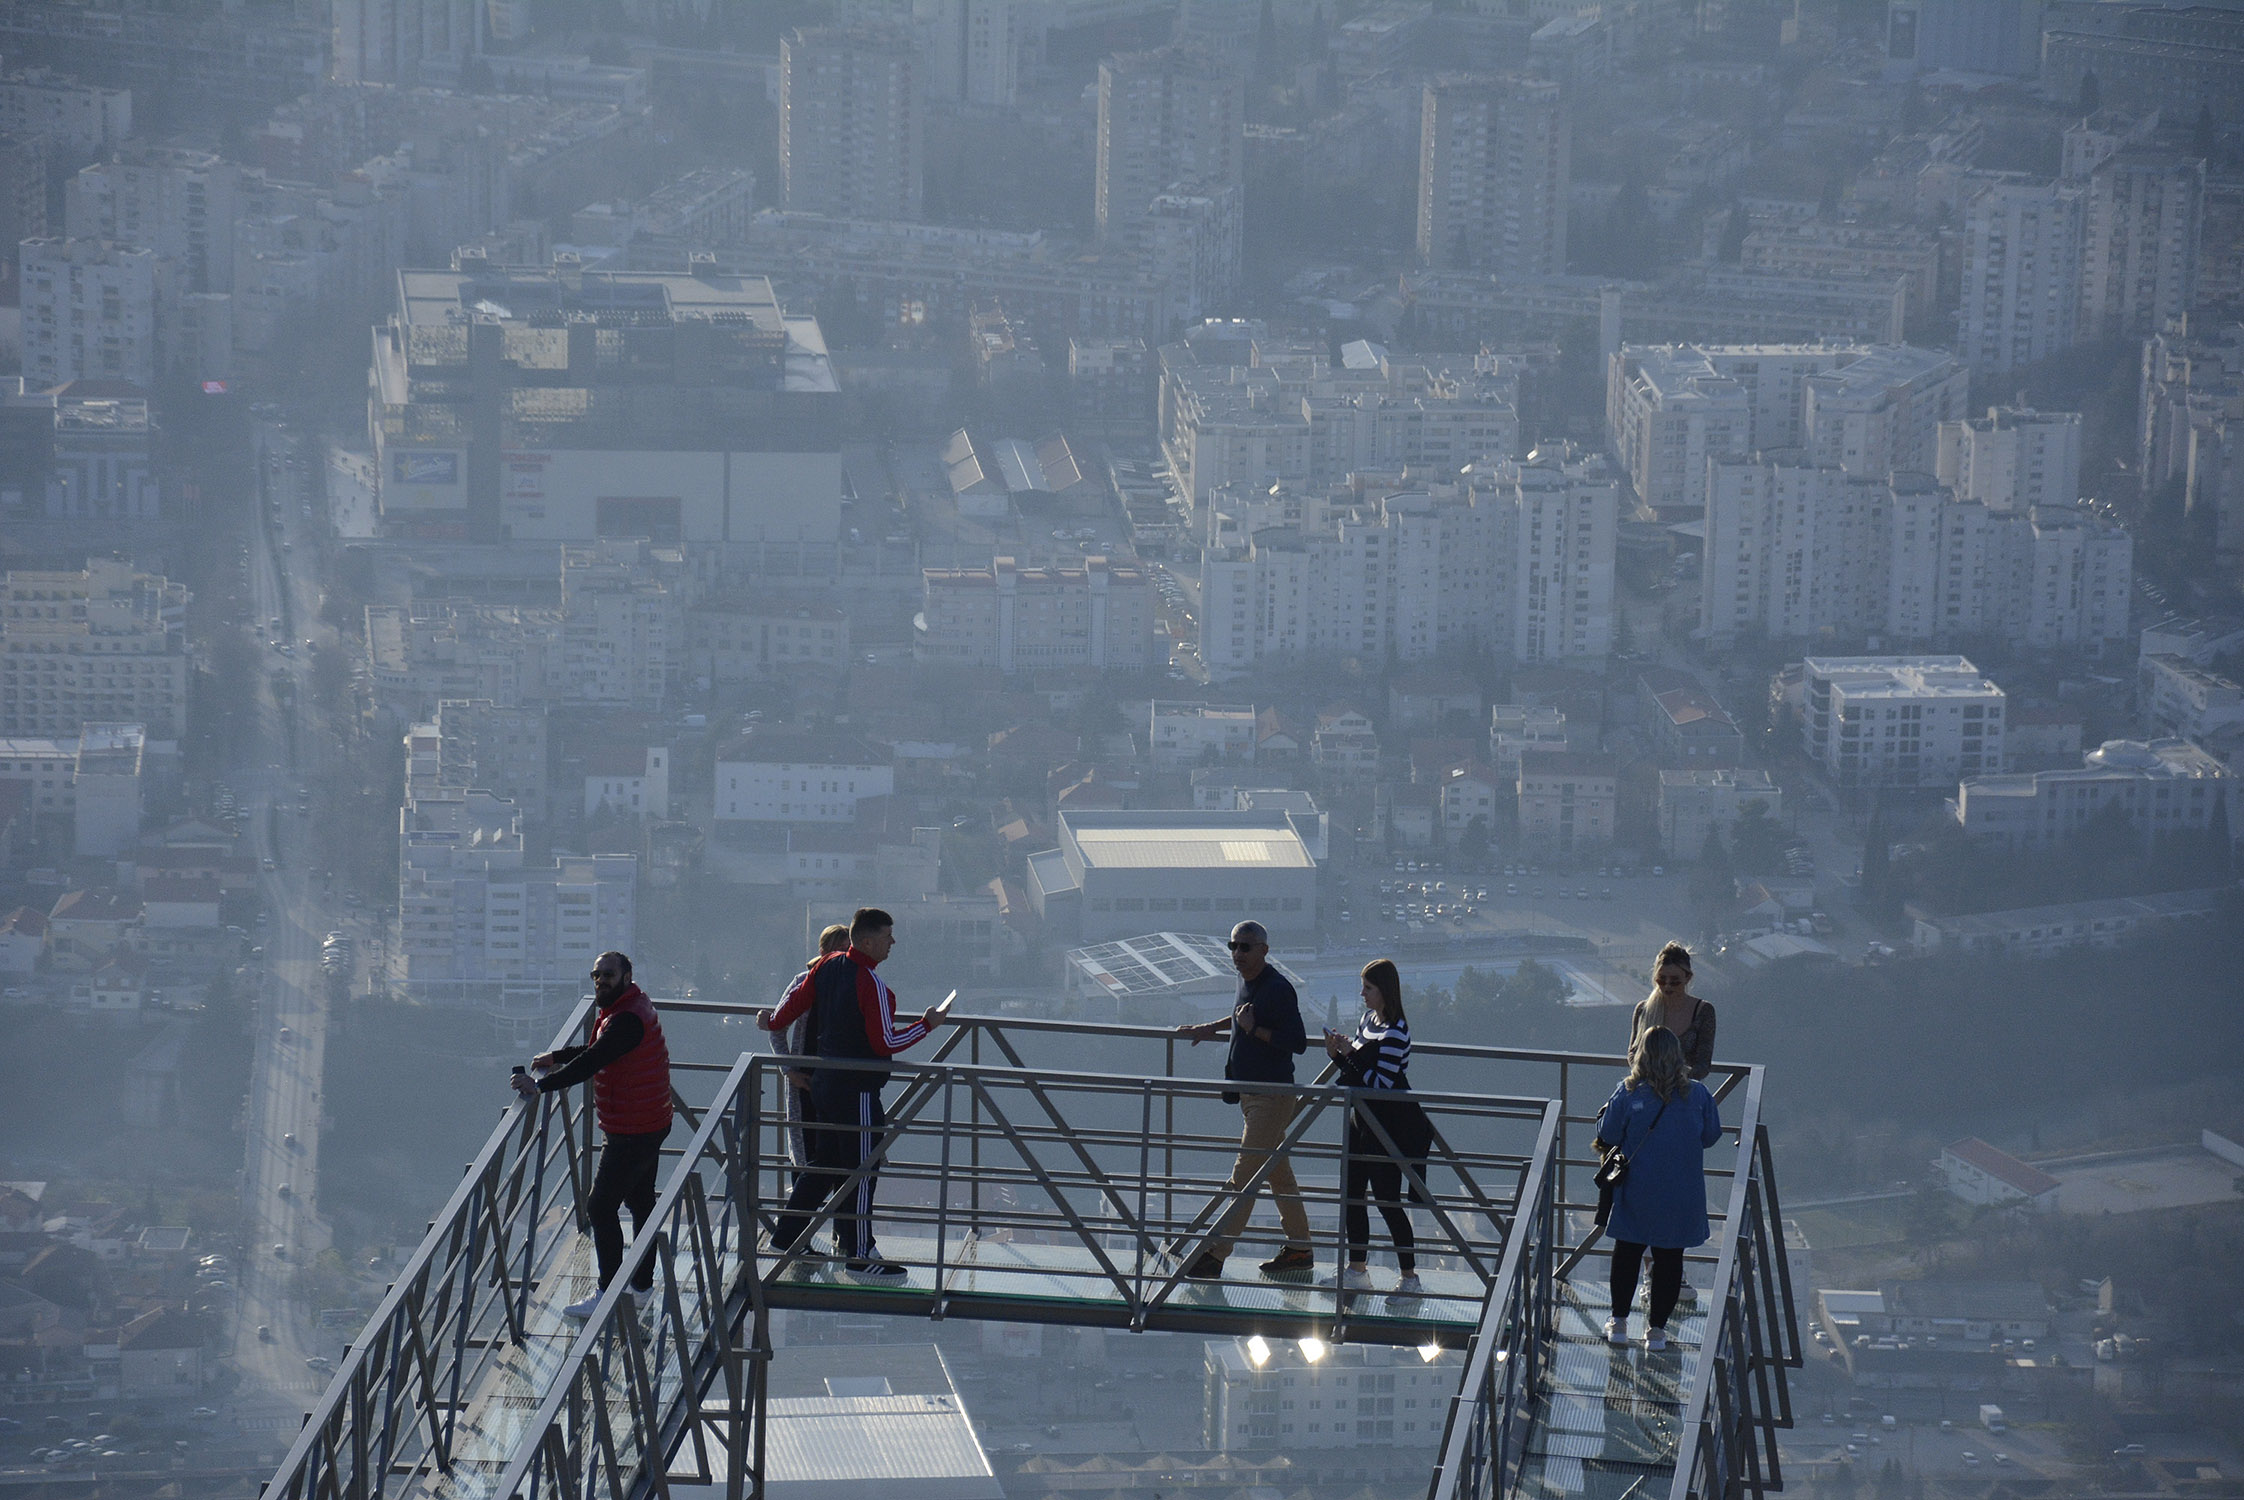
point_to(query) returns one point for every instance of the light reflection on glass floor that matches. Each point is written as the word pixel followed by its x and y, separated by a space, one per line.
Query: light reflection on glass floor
pixel 1609 1415
pixel 496 1414
pixel 993 1274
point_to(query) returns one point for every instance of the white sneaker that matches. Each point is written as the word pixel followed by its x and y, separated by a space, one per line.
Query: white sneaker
pixel 1655 1340
pixel 1408 1288
pixel 1616 1330
pixel 1349 1278
pixel 582 1308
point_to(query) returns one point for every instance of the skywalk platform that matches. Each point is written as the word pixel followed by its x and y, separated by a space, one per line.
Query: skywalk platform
pixel 1047 1173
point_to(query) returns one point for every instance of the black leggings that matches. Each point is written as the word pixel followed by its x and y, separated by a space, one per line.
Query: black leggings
pixel 1375 1174
pixel 1667 1279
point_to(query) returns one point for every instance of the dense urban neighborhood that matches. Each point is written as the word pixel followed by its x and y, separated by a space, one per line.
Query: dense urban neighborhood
pixel 1496 485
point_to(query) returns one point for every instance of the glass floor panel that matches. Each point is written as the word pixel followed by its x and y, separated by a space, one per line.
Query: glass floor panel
pixel 1018 1271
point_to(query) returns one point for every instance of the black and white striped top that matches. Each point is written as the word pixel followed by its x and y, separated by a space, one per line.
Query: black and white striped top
pixel 1378 1056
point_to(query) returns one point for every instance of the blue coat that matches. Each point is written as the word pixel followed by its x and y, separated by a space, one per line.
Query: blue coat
pixel 1662 1202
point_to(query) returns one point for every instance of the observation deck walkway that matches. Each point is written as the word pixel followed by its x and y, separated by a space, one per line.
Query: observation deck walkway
pixel 1062 1173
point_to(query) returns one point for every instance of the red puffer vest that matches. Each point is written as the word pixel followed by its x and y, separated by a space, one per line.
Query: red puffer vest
pixel 631 1096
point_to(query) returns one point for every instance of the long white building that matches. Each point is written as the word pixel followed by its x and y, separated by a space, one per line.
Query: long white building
pixel 2162 787
pixel 1801 551
pixel 1900 720
pixel 1867 409
pixel 1517 560
pixel 90 312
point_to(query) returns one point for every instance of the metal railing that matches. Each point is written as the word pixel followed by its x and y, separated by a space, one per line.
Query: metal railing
pixel 1739 1395
pixel 1031 1170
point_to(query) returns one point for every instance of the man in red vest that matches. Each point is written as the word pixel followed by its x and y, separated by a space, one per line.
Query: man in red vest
pixel 629 1065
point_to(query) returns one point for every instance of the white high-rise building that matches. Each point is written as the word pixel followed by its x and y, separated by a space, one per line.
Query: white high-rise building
pixel 1806 552
pixel 479 924
pixel 852 122
pixel 2142 224
pixel 1174 114
pixel 73 117
pixel 2021 272
pixel 2014 458
pixel 2192 414
pixel 1865 408
pixel 1493 174
pixel 1518 561
pixel 172 200
pixel 973 49
pixel 90 312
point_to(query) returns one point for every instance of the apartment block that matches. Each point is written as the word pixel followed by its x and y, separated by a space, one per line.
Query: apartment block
pixel 1881 412
pixel 1801 551
pixel 1175 114
pixel 178 202
pixel 622 623
pixel 1182 734
pixel 1267 1396
pixel 90 312
pixel 1294 416
pixel 1015 619
pixel 76 118
pixel 852 122
pixel 2142 224
pixel 104 645
pixel 2192 415
pixel 403 41
pixel 1519 561
pixel 1863 408
pixel 494 747
pixel 2175 59
pixel 1516 729
pixel 1909 721
pixel 2162 787
pixel 101 460
pixel 1568 802
pixel 479 924
pixel 1704 800
pixel 1817 250
pixel 2012 459
pixel 420 654
pixel 781 776
pixel 751 640
pixel 2022 261
pixel 1493 175
pixel 95 778
pixel 2176 696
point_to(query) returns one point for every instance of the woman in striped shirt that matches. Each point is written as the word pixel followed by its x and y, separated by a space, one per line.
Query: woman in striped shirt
pixel 1377 1057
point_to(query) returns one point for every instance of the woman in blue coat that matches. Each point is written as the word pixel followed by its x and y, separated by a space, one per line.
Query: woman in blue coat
pixel 1663 1120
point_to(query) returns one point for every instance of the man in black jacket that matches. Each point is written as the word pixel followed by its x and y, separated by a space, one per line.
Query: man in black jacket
pixel 1266 1036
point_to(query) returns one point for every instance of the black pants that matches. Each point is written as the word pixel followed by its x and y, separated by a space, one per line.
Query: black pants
pixel 1370 1171
pixel 625 1178
pixel 1667 1279
pixel 840 1128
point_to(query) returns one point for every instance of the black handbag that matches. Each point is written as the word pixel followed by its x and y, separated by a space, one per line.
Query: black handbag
pixel 1613 1170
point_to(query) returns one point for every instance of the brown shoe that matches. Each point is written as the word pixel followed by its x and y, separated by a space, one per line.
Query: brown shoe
pixel 1205 1267
pixel 1294 1260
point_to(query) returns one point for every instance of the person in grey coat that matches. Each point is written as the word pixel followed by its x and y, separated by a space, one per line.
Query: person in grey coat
pixel 1664 1120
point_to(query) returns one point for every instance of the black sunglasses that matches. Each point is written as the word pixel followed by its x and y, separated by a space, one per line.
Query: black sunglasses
pixel 1238 947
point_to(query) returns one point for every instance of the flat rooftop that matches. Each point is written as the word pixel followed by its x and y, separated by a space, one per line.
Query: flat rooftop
pixel 1179 845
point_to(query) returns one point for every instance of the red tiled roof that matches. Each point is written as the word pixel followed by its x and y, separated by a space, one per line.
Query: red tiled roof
pixel 2003 1167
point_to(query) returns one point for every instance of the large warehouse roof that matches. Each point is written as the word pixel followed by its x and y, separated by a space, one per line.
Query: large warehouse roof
pixel 1184 846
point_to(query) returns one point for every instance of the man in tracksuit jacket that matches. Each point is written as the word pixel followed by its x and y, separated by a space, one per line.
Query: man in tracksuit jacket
pixel 629 1065
pixel 853 1018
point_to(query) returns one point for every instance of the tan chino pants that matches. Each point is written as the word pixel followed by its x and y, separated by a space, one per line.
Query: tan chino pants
pixel 1267 1119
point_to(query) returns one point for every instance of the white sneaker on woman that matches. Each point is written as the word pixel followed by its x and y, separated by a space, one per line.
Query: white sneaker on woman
pixel 1348 1278
pixel 1616 1330
pixel 1655 1340
pixel 1407 1288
